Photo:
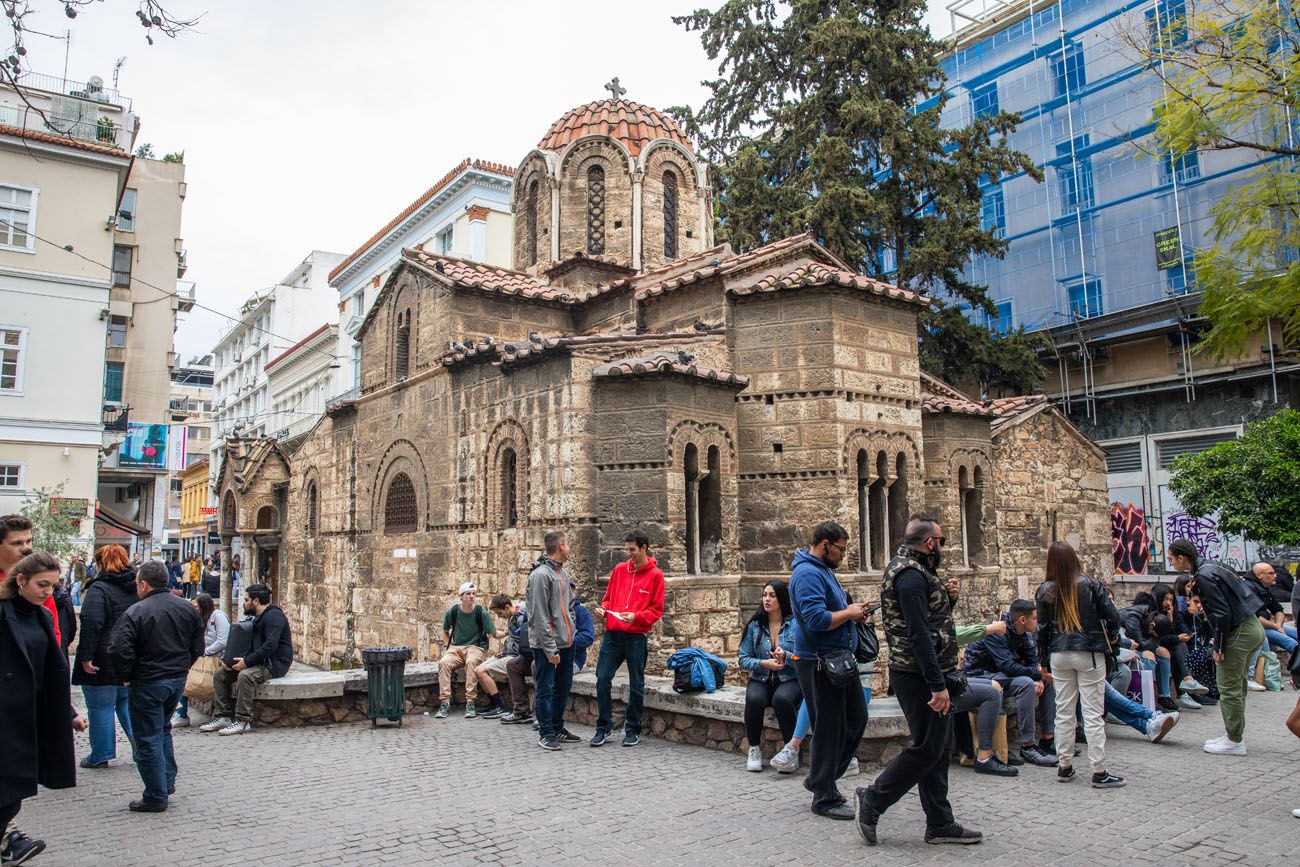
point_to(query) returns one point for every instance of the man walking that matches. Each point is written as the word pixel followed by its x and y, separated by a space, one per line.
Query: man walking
pixel 1231 610
pixel 633 603
pixel 153 646
pixel 827 625
pixel 917 616
pixel 271 656
pixel 550 634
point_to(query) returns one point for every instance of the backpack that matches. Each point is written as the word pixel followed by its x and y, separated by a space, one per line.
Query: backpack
pixel 478 615
pixel 517 635
pixel 682 681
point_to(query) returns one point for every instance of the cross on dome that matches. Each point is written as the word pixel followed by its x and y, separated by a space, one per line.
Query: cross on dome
pixel 615 91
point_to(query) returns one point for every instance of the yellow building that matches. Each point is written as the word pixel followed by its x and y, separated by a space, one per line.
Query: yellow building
pixel 194 502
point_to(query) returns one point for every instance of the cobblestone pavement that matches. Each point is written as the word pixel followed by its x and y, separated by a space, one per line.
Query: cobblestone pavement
pixel 467 792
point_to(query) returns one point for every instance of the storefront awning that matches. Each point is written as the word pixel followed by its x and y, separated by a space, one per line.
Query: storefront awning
pixel 112 526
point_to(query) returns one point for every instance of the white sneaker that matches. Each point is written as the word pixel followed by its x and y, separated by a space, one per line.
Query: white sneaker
pixel 852 769
pixel 216 724
pixel 1219 740
pixel 1191 684
pixel 1296 813
pixel 1227 748
pixel 180 722
pixel 1256 686
pixel 238 727
pixel 786 761
pixel 1186 702
pixel 755 760
pixel 1160 724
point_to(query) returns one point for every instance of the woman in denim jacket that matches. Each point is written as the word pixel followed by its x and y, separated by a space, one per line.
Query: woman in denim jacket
pixel 765 649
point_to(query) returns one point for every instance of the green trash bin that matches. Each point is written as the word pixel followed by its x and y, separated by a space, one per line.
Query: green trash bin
pixel 386 682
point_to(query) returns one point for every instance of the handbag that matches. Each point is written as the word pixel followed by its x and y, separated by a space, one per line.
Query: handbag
pixel 198 683
pixel 956 683
pixel 840 667
pixel 868 642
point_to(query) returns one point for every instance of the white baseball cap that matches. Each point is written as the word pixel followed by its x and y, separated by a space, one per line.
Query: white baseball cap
pixel 468 587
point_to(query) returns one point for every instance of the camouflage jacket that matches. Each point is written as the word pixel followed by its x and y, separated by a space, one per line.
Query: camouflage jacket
pixel 902 656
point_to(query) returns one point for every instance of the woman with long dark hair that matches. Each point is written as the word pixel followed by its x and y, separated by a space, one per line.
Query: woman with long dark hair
pixel 216 630
pixel 765 650
pixel 1076 625
pixel 36 713
pixel 105 600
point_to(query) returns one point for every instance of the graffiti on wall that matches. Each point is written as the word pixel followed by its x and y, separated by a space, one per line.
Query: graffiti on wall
pixel 1204 532
pixel 1128 539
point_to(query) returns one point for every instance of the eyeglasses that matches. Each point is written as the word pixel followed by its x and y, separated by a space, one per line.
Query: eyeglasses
pixel 842 546
pixel 943 540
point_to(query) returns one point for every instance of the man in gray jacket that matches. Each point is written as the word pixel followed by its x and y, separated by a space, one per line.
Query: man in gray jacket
pixel 550 634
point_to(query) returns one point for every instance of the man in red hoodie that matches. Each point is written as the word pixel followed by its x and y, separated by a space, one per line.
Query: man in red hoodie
pixel 633 601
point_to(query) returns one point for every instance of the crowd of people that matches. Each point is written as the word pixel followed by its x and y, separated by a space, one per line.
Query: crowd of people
pixel 139 632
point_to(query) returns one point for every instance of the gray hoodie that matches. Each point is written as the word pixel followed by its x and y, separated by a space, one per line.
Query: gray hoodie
pixel 550 607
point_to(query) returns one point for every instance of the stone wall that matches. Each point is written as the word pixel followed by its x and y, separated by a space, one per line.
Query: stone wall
pixel 690 233
pixel 616 205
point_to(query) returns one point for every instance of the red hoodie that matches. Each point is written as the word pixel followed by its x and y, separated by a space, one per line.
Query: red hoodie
pixel 641 592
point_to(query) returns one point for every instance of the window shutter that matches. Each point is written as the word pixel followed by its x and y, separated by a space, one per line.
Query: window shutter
pixel 1124 458
pixel 1171 449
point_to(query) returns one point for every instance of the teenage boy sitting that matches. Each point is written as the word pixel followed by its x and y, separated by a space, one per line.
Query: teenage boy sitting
pixel 466 628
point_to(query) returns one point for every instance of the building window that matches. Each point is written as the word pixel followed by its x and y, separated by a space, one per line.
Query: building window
pixel 401 511
pixel 1182 277
pixel 1001 323
pixel 113 371
pixel 898 509
pixel 311 509
pixel 13 345
pixel 402 345
pixel 531 217
pixel 1085 298
pixel 509 488
pixel 670 215
pixel 198 433
pixel 970 490
pixel 1183 169
pixel 126 211
pixel 878 514
pixel 595 210
pixel 17 217
pixel 1167 24
pixel 703 511
pixel 176 485
pixel 984 100
pixel 11 476
pixel 122 257
pixel 446 239
pixel 1075 174
pixel 864 511
pixel 117 331
pixel 994 214
pixel 1068 70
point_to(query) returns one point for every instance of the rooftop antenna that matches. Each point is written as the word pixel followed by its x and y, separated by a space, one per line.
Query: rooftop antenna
pixel 117 69
pixel 67 47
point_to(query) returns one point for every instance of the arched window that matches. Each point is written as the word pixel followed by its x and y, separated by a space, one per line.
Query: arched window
pixel 402 344
pixel 509 468
pixel 311 509
pixel 703 511
pixel 267 519
pixel 864 511
pixel 670 215
pixel 531 216
pixel 229 512
pixel 401 511
pixel 898 503
pixel 972 507
pixel 595 210
pixel 878 519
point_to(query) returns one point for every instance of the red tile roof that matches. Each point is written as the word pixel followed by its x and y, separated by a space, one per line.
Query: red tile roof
pixel 632 123
pixel 465 165
pixel 817 274
pixel 537 347
pixel 486 278
pixel 66 141
pixel 301 343
pixel 673 363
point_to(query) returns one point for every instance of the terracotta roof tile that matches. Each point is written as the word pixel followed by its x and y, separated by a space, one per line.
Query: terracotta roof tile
pixel 817 274
pixel 933 403
pixel 673 363
pixel 486 278
pixel 65 141
pixel 539 346
pixel 632 123
pixel 463 166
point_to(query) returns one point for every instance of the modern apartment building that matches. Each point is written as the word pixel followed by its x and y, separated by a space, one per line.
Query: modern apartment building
pixel 465 214
pixel 1100 253
pixel 65 162
pixel 299 382
pixel 271 322
pixel 197 515
pixel 191 425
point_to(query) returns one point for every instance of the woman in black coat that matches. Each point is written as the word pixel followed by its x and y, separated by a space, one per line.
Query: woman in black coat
pixel 36 713
pixel 105 600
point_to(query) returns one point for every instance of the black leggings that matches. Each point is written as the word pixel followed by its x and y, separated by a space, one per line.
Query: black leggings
pixel 784 698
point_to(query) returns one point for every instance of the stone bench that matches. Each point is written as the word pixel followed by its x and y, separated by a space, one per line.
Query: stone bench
pixel 308 696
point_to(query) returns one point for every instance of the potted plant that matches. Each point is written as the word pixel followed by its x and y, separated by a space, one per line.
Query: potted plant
pixel 106 130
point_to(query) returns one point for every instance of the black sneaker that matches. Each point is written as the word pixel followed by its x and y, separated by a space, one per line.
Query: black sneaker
pixel 517 719
pixel 599 738
pixel 991 765
pixel 143 806
pixel 1205 700
pixel 953 833
pixel 548 743
pixel 1035 756
pixel 1166 704
pixel 21 848
pixel 1107 780
pixel 866 816
pixel 631 739
pixel 494 712
pixel 1014 759
pixel 565 736
pixel 1065 773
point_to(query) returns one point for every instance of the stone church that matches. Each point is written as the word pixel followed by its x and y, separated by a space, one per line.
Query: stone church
pixel 629 373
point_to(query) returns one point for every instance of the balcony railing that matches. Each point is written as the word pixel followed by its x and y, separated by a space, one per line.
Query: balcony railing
pixel 115 417
pixel 351 394
pixel 68 87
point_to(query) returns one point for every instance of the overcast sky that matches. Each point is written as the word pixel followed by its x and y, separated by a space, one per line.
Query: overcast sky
pixel 308 124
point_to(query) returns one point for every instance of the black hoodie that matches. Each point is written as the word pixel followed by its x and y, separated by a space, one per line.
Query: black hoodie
pixel 105 600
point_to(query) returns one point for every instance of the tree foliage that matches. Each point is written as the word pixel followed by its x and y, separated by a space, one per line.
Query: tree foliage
pixel 53 530
pixel 1232 83
pixel 825 116
pixel 1249 481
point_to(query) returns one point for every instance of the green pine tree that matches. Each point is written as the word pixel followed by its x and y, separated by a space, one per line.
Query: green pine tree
pixel 825 116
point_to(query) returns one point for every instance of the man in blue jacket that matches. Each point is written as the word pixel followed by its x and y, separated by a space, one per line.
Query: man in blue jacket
pixel 1011 659
pixel 827 622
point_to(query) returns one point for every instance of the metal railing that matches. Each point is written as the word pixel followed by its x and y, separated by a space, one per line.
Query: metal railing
pixel 115 418
pixel 69 87
pixel 351 394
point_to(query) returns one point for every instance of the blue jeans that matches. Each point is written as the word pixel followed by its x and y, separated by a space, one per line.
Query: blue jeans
pixel 102 702
pixel 1127 711
pixel 551 690
pixel 152 703
pixel 804 722
pixel 1283 640
pixel 1161 666
pixel 615 649
pixel 183 707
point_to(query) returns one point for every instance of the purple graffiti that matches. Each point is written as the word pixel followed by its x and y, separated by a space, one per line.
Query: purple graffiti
pixel 1201 532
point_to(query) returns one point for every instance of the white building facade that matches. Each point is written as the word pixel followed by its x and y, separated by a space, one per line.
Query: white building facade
pixel 299 382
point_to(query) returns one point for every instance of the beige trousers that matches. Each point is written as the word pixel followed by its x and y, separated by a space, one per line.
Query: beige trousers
pixel 467 656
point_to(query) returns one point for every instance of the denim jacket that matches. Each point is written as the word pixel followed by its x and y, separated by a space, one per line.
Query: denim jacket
pixel 756 646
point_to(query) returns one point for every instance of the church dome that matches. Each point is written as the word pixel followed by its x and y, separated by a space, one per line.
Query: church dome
pixel 633 124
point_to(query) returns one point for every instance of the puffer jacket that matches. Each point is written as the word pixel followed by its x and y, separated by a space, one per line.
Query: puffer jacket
pixel 1097 615
pixel 105 601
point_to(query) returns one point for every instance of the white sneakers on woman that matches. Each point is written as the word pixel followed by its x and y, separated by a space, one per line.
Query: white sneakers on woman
pixel 755 761
pixel 786 761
